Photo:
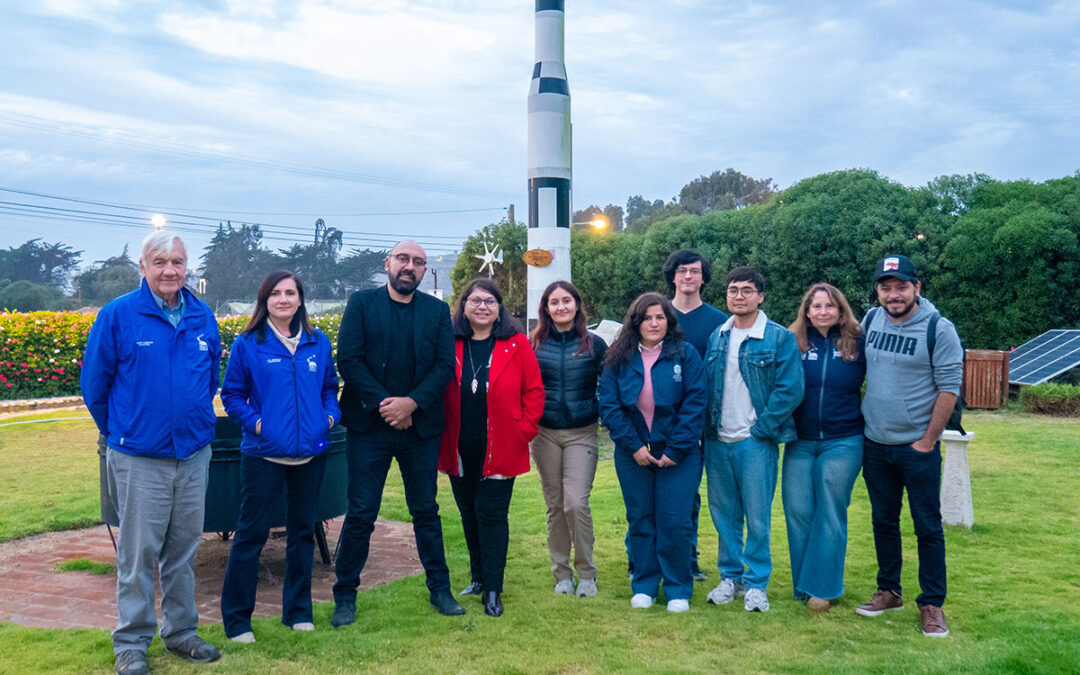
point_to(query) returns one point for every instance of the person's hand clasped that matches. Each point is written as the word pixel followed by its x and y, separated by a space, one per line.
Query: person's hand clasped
pixel 665 461
pixel 397 411
pixel 643 457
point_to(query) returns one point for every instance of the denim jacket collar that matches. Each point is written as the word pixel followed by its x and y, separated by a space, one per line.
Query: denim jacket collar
pixel 757 331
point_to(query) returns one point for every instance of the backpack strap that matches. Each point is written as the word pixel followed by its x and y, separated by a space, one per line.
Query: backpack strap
pixel 931 335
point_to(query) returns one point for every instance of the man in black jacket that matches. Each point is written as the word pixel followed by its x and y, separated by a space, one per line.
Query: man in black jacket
pixel 396 356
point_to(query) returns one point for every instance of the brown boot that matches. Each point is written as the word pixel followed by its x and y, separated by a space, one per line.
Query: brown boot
pixel 881 601
pixel 933 621
pixel 817 605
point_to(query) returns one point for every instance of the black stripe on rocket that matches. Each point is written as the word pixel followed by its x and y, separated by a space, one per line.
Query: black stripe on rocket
pixel 562 199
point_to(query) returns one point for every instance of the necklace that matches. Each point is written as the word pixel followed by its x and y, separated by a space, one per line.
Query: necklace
pixel 476 369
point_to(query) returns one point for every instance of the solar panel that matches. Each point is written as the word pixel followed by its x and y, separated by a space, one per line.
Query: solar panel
pixel 1048 355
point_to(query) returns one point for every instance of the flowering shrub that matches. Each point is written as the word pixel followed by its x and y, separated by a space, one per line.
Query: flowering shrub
pixel 41 352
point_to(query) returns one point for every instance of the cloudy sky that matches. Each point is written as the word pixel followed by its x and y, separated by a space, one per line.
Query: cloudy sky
pixel 394 118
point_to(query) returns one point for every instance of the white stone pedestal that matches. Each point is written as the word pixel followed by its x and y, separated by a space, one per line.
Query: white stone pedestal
pixel 956 504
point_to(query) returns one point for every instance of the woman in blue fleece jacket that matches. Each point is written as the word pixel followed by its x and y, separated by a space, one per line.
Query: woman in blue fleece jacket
pixel 652 402
pixel 821 466
pixel 281 388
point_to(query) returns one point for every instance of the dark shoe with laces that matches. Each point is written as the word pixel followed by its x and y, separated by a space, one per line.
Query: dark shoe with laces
pixel 196 650
pixel 446 604
pixel 493 604
pixel 344 613
pixel 132 662
pixel 933 621
pixel 881 602
pixel 473 588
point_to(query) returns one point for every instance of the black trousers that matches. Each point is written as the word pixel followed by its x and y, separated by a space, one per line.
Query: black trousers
pixel 484 504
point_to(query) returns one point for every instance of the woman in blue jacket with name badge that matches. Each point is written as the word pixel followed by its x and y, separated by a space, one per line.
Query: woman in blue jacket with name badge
pixel 821 466
pixel 281 388
pixel 652 401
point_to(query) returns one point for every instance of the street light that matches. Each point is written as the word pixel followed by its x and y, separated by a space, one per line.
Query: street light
pixel 157 220
pixel 599 222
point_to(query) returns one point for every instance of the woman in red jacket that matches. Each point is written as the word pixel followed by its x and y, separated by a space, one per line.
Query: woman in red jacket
pixel 493 408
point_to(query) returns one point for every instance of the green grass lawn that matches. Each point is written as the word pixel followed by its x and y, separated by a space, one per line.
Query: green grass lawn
pixel 1013 606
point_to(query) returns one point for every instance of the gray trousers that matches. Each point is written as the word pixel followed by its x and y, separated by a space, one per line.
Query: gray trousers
pixel 160 503
pixel 566 461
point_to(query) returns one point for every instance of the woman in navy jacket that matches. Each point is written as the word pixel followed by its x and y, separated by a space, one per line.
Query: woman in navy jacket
pixel 652 400
pixel 821 466
pixel 281 388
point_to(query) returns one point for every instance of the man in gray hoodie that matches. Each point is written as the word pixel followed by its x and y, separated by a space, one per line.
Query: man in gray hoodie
pixel 914 364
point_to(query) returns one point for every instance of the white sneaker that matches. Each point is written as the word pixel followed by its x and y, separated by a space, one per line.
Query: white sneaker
pixel 641 601
pixel 756 601
pixel 586 588
pixel 565 587
pixel 304 626
pixel 727 591
pixel 679 605
pixel 247 638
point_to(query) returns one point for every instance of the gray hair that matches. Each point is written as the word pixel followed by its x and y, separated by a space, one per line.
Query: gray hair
pixel 159 240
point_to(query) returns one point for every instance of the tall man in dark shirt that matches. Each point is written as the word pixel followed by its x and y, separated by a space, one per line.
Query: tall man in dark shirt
pixel 686 272
pixel 396 356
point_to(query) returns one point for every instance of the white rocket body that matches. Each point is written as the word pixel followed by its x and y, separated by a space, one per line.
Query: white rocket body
pixel 549 154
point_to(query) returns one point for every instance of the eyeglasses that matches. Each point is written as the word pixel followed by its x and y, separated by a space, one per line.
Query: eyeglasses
pixel 692 271
pixel 741 291
pixel 487 302
pixel 404 260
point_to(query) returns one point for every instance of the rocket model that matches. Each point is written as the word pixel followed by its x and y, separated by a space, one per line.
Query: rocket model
pixel 549 155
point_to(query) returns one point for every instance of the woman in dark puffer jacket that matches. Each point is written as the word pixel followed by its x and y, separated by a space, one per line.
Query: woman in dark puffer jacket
pixel 565 450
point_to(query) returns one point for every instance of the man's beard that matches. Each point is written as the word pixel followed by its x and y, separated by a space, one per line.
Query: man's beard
pixel 903 312
pixel 403 284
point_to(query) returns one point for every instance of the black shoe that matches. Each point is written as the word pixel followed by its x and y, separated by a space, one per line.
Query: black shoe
pixel 472 589
pixel 132 662
pixel 446 604
pixel 196 650
pixel 695 571
pixel 493 604
pixel 344 613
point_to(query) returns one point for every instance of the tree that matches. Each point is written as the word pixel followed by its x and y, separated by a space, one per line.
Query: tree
pixel 316 263
pixel 26 296
pixel 727 189
pixel 234 264
pixel 638 210
pixel 107 279
pixel 356 269
pixel 40 263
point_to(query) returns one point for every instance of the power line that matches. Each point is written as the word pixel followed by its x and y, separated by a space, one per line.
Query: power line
pixel 41 123
pixel 166 210
pixel 288 228
pixel 131 222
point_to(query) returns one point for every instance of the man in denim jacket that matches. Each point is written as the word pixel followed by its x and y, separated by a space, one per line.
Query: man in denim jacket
pixel 755 384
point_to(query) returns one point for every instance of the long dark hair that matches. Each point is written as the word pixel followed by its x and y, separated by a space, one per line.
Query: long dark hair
pixel 261 314
pixel 506 326
pixel 545 326
pixel 848 340
pixel 621 351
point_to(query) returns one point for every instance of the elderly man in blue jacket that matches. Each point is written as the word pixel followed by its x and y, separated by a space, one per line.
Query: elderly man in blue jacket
pixel 149 377
pixel 755 384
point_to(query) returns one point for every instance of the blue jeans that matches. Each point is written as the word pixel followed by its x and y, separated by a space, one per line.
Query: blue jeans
pixel 816 486
pixel 889 470
pixel 160 503
pixel 261 482
pixel 369 462
pixel 657 504
pixel 742 480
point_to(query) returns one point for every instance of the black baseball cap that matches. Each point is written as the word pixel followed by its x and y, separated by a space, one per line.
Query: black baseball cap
pixel 899 266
